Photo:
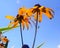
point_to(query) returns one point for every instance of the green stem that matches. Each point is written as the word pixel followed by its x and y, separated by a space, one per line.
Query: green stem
pixel 35 31
pixel 21 34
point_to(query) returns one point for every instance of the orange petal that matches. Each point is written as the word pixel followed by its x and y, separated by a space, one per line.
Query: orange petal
pixel 10 24
pixel 23 24
pixel 51 10
pixel 22 10
pixel 48 13
pixel 35 17
pixel 25 16
pixel 26 22
pixel 29 12
pixel 40 17
pixel 27 25
pixel 15 24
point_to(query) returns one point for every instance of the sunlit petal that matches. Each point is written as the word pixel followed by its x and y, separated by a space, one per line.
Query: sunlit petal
pixel 49 14
pixel 15 24
pixel 10 17
pixel 21 10
pixel 29 12
pixel 47 11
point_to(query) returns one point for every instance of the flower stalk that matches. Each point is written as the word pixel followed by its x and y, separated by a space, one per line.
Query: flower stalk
pixel 35 31
pixel 21 34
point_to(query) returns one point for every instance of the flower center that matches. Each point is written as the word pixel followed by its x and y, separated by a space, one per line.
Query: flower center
pixel 19 18
pixel 37 8
pixel 37 5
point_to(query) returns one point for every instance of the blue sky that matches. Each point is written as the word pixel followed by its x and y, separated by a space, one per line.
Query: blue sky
pixel 48 32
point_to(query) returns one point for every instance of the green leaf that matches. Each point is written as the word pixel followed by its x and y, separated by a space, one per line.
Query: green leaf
pixel 41 45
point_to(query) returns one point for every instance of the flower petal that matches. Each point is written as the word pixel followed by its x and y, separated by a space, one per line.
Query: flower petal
pixel 10 17
pixel 29 12
pixel 23 24
pixel 48 13
pixel 13 24
pixel 40 17
pixel 27 25
pixel 22 10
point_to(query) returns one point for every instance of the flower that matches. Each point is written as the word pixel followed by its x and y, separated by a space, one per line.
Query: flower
pixel 37 12
pixel 41 9
pixel 18 19
pixel 4 39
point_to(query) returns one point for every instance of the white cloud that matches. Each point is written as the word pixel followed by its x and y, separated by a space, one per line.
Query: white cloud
pixel 58 46
pixel 12 47
pixel 17 1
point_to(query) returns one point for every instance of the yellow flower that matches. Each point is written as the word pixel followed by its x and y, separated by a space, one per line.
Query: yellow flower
pixel 18 19
pixel 41 9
